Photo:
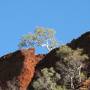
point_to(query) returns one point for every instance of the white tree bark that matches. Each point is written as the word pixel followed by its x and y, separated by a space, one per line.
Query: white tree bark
pixel 79 69
pixel 47 46
pixel 72 85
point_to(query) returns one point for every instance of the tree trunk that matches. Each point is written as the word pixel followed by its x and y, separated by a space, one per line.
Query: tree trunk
pixel 72 86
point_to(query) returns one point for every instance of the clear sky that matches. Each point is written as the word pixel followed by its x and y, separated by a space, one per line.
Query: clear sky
pixel 70 18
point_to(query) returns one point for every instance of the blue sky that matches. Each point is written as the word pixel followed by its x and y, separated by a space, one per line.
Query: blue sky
pixel 70 18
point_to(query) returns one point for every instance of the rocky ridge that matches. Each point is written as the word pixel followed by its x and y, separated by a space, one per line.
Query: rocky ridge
pixel 17 69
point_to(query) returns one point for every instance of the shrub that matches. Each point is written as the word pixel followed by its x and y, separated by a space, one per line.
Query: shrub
pixel 69 65
pixel 47 80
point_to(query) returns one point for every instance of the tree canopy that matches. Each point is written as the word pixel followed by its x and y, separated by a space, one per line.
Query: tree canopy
pixel 43 37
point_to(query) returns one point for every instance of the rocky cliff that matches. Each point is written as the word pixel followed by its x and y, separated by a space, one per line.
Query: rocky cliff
pixel 18 69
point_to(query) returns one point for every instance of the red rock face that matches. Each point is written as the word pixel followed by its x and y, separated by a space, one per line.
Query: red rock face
pixel 85 85
pixel 17 69
pixel 28 69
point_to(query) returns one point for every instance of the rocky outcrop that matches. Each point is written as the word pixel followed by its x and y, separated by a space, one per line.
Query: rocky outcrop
pixel 82 42
pixel 17 69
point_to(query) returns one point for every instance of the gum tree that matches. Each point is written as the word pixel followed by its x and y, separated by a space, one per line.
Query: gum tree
pixel 70 65
pixel 43 37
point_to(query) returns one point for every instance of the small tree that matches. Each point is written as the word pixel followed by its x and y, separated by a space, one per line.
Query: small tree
pixel 43 37
pixel 69 65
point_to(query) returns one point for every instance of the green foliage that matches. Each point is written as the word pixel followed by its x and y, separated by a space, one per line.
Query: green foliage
pixel 47 80
pixel 69 65
pixel 43 37
pixel 67 71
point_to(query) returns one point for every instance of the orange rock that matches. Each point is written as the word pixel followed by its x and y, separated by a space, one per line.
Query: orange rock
pixel 85 85
pixel 20 66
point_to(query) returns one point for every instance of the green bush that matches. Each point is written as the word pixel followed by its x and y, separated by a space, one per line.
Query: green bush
pixel 69 65
pixel 47 80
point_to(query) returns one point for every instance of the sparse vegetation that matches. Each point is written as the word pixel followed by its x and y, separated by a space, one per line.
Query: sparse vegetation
pixel 68 69
pixel 66 74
